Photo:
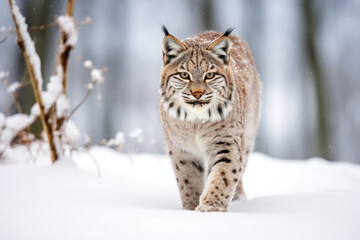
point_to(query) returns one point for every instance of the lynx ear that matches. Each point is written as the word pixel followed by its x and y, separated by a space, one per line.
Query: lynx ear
pixel 221 47
pixel 172 47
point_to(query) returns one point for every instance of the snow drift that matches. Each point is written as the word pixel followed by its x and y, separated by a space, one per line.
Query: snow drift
pixel 136 198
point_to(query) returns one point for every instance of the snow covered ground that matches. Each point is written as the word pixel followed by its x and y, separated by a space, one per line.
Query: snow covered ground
pixel 136 198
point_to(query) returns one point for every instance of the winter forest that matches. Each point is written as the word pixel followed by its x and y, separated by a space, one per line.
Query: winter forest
pixel 81 143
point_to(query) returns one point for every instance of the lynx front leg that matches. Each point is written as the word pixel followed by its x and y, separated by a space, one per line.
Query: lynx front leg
pixel 225 170
pixel 189 173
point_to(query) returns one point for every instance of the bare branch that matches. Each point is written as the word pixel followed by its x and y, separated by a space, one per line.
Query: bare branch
pixel 4 39
pixel 79 104
pixel 9 31
pixel 15 96
pixel 42 27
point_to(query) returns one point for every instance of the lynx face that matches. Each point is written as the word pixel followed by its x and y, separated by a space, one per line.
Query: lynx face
pixel 196 80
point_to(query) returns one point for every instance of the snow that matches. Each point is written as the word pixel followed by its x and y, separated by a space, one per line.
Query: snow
pixel 118 141
pixel 35 110
pixel 97 76
pixel 68 26
pixel 86 20
pixel 71 132
pixel 88 64
pixel 137 134
pixel 3 75
pixel 18 121
pixel 10 126
pixel 4 29
pixel 89 86
pixel 137 198
pixel 53 94
pixel 55 87
pixel 48 100
pixel 62 105
pixel 120 138
pixel 12 88
pixel 29 44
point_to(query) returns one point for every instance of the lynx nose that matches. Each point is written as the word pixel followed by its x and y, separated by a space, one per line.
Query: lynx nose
pixel 197 93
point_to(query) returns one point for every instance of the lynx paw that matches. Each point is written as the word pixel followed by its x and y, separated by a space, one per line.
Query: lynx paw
pixel 210 208
pixel 189 206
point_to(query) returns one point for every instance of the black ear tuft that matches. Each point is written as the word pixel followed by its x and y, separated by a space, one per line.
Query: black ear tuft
pixel 172 47
pixel 228 32
pixel 165 31
pixel 220 48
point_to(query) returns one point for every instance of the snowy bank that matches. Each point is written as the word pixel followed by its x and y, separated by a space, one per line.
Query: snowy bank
pixel 137 198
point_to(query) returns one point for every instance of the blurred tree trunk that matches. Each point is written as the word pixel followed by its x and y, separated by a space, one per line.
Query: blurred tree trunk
pixel 253 22
pixel 310 31
pixel 207 14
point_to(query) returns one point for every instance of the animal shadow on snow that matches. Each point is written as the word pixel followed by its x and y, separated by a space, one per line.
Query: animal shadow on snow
pixel 297 203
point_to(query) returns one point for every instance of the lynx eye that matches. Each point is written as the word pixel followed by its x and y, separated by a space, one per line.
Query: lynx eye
pixel 184 75
pixel 209 75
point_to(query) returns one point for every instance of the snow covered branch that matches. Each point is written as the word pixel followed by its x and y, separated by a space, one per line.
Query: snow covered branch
pixel 68 40
pixel 52 104
pixel 33 65
pixel 66 44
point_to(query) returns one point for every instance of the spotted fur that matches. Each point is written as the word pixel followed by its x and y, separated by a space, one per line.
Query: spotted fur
pixel 209 107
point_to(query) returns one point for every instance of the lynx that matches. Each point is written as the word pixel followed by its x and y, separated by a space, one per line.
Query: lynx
pixel 209 107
